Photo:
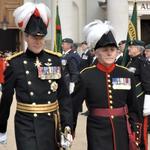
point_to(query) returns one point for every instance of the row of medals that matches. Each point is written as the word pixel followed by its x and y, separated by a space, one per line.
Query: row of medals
pixel 48 72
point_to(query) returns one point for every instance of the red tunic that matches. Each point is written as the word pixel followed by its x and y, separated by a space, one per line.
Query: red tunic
pixel 2 69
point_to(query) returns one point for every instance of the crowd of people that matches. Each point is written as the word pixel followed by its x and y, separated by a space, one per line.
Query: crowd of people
pixel 50 88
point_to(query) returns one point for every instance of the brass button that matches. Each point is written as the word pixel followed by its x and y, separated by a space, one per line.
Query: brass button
pixel 31 93
pixel 137 143
pixel 25 62
pixel 29 82
pixel 7 64
pixel 33 103
pixel 112 116
pixel 108 81
pixel 35 115
pixel 137 139
pixel 137 126
pixel 49 114
pixel 110 91
pixel 49 92
pixel 27 72
pixel 50 81
pixel 49 102
pixel 109 85
pixel 108 76
pixel 49 60
pixel 137 132
pixel 111 102
pixel 110 96
pixel 111 107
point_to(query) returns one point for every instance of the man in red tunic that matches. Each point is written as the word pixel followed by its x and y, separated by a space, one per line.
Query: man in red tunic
pixel 109 91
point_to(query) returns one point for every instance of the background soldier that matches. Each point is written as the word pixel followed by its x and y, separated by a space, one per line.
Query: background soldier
pixel 135 51
pixel 86 57
pixel 108 90
pixel 145 79
pixel 70 63
pixel 121 47
pixel 40 89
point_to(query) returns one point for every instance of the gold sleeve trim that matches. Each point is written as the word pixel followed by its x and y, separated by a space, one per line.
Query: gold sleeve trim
pixel 140 94
pixel 138 84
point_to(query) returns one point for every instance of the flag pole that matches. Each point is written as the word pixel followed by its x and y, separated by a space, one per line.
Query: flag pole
pixel 58 33
pixel 56 2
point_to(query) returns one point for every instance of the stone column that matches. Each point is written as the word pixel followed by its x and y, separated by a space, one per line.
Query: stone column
pixel 117 14
pixel 80 19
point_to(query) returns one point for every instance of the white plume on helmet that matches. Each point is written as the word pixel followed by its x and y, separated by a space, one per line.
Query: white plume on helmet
pixel 95 30
pixel 23 13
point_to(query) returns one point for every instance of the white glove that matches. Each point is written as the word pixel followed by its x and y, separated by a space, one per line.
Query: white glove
pixel 146 108
pixel 71 87
pixel 66 138
pixel 3 138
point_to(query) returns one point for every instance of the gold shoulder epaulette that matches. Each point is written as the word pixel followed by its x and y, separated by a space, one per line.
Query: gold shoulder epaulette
pixel 122 67
pixel 87 68
pixel 14 55
pixel 53 53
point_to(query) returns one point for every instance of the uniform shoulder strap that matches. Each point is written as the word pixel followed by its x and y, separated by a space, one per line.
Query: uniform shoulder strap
pixel 53 53
pixel 87 68
pixel 14 55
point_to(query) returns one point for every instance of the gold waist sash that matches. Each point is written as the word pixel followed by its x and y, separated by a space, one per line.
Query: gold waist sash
pixel 37 108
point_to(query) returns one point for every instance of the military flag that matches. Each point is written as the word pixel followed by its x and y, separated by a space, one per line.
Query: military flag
pixel 132 34
pixel 58 33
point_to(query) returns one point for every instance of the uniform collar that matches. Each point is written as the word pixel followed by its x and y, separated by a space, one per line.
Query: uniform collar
pixel 31 54
pixel 134 58
pixel 86 51
pixel 65 53
pixel 106 69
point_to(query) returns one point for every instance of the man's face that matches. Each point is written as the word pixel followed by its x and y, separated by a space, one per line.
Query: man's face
pixel 106 55
pixel 84 47
pixel 147 53
pixel 122 47
pixel 66 46
pixel 133 51
pixel 35 43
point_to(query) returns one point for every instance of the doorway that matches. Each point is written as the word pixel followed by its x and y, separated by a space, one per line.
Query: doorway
pixel 145 31
pixel 9 40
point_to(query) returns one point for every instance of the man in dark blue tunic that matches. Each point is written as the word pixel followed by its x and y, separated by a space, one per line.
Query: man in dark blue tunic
pixel 43 105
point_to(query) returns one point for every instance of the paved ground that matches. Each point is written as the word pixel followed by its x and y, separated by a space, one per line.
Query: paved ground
pixel 79 142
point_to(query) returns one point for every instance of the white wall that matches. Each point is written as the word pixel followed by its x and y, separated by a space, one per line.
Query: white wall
pixel 67 17
pixel 117 14
pixel 94 11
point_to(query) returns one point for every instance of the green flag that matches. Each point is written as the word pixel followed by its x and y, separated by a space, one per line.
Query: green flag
pixel 132 34
pixel 58 33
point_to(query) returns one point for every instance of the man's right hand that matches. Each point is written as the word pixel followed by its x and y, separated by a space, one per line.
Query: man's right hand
pixel 3 138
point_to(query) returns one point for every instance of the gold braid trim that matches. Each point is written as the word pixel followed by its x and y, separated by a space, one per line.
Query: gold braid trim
pixel 87 68
pixel 53 53
pixel 122 67
pixel 57 127
pixel 14 55
pixel 37 108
